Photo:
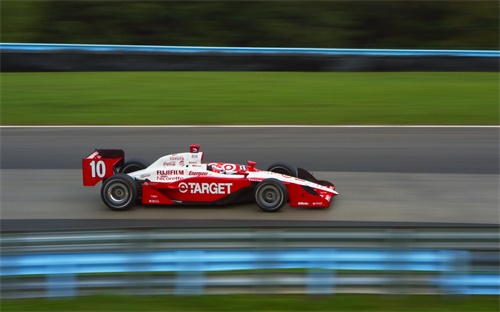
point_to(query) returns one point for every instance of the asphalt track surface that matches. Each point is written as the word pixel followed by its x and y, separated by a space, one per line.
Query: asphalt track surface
pixel 397 175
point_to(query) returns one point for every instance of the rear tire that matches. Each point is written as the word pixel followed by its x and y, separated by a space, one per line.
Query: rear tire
pixel 271 195
pixel 119 192
pixel 135 164
pixel 283 168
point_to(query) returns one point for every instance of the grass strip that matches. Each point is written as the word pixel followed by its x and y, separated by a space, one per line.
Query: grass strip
pixel 261 303
pixel 206 98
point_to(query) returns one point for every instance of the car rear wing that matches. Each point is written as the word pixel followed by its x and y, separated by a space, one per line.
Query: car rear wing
pixel 101 164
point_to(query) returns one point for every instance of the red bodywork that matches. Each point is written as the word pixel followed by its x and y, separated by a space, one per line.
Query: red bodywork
pixel 100 165
pixel 195 189
pixel 204 188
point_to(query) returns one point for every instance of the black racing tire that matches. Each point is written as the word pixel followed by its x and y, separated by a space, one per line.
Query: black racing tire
pixel 283 168
pixel 134 164
pixel 270 195
pixel 119 192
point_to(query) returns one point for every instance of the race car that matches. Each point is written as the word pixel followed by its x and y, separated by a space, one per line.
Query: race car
pixel 183 179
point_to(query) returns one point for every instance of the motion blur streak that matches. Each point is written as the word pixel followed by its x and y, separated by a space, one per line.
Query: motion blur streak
pixel 417 260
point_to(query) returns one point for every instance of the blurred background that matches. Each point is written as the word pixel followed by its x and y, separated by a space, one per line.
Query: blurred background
pixel 415 227
pixel 318 24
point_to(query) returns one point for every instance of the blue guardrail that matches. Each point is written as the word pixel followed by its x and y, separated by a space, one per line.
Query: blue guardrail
pixel 61 269
pixel 226 50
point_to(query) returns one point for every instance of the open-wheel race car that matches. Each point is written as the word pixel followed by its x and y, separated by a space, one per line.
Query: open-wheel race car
pixel 183 178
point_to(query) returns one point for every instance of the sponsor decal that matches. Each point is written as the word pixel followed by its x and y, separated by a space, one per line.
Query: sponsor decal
pixel 167 178
pixel 169 175
pixel 183 187
pixel 94 154
pixel 169 172
pixel 145 175
pixel 197 173
pixel 303 203
pixel 173 163
pixel 176 158
pixel 205 188
pixel 230 167
pixel 223 166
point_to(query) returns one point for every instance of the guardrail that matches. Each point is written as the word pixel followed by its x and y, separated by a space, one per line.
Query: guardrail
pixel 289 260
pixel 201 49
pixel 33 57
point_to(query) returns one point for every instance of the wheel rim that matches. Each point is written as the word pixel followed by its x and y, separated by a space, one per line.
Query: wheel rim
pixel 269 196
pixel 118 194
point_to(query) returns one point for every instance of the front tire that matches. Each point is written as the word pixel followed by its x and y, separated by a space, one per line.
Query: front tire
pixel 271 195
pixel 283 168
pixel 119 192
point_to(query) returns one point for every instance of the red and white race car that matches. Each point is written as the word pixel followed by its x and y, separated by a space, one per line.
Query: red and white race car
pixel 183 179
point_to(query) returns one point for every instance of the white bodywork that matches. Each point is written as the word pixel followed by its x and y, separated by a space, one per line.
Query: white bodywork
pixel 180 166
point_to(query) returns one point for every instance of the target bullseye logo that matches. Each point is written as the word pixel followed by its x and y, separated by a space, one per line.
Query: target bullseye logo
pixel 183 187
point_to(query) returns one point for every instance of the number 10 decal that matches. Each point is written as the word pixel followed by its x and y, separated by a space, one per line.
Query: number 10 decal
pixel 100 165
pixel 98 168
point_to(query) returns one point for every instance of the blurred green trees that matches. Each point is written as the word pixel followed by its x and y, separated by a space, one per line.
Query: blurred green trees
pixel 321 24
